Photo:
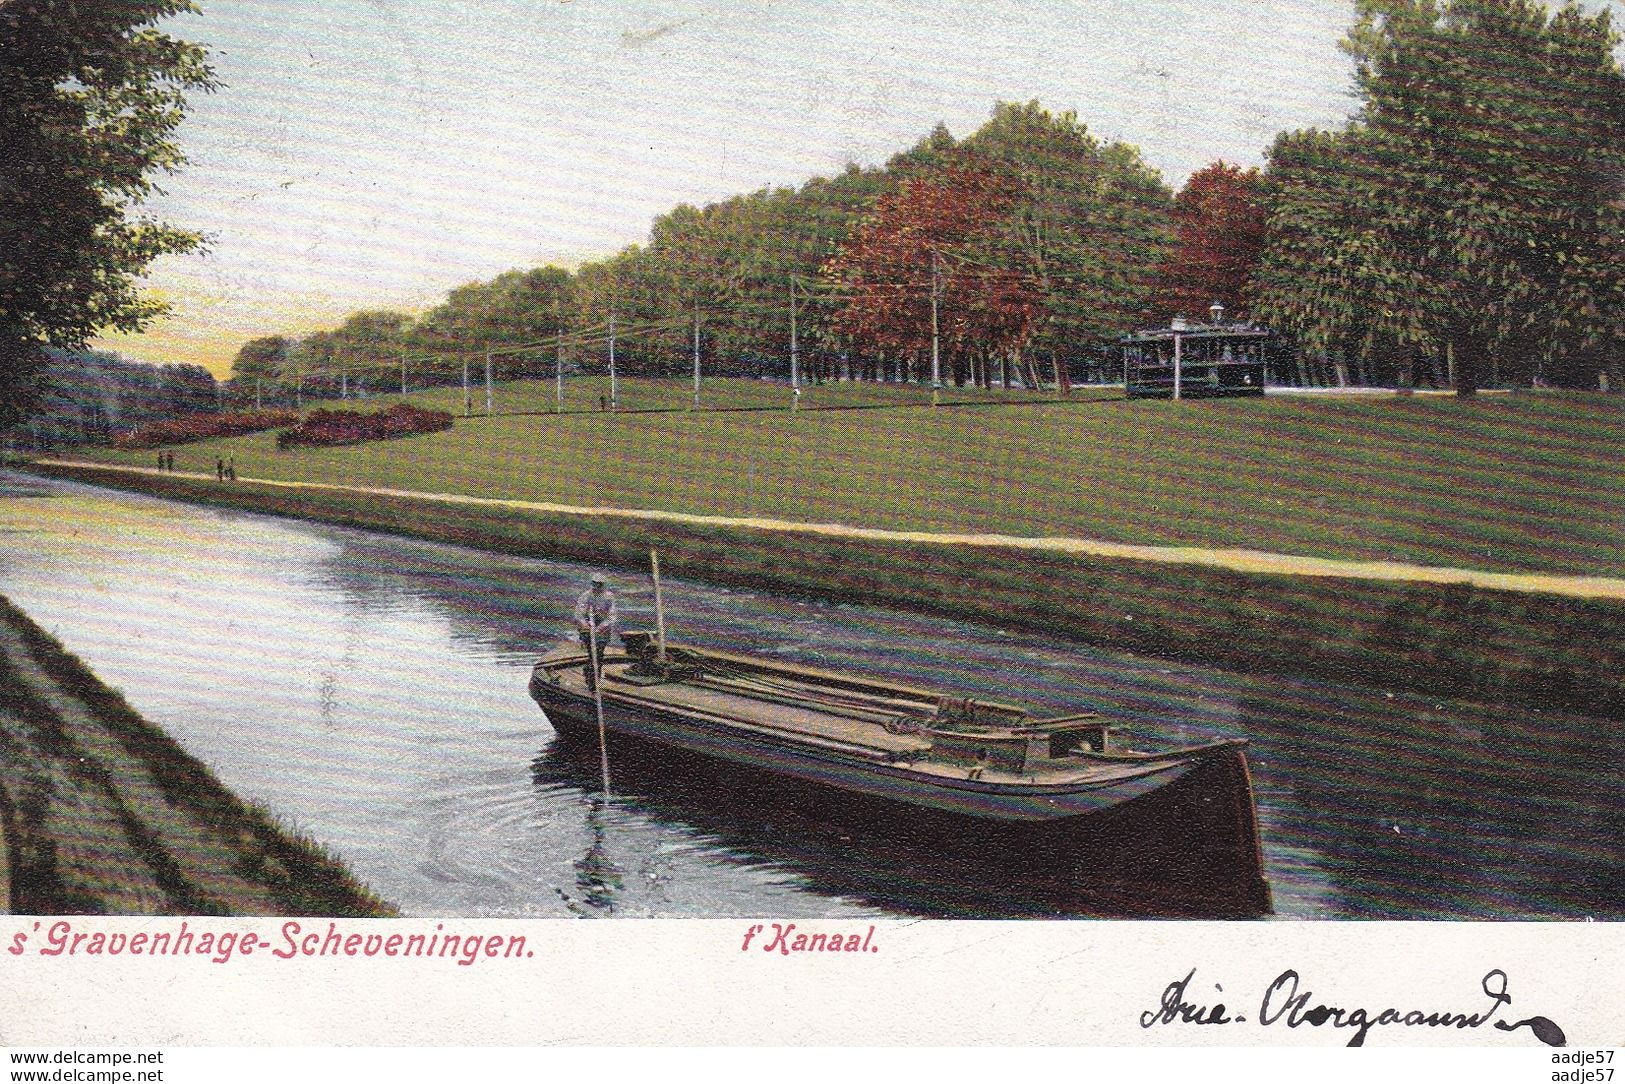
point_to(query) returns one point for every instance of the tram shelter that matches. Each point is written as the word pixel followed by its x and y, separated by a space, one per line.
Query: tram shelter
pixel 1188 361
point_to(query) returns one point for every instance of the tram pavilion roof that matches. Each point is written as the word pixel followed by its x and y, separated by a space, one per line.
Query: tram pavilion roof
pixel 1204 331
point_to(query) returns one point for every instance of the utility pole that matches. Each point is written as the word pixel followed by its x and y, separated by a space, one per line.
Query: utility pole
pixel 403 374
pixel 614 386
pixel 299 390
pixel 558 379
pixel 936 353
pixel 488 383
pixel 344 383
pixel 795 362
pixel 468 395
pixel 1177 364
pixel 256 393
pixel 696 353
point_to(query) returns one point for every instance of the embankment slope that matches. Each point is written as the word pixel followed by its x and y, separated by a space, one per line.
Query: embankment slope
pixel 101 812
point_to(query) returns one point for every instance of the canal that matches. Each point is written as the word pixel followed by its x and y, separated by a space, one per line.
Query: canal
pixel 371 691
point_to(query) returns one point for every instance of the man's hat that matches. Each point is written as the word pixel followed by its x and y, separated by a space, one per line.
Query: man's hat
pixel 597 577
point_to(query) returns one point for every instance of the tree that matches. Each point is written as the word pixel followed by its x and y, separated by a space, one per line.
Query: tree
pixel 1473 208
pixel 90 98
pixel 1219 221
pixel 1090 221
pixel 370 344
pixel 261 362
pixel 517 308
pixel 929 239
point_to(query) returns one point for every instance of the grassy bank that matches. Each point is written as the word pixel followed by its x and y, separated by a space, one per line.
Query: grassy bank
pixel 587 394
pixel 103 813
pixel 1525 482
pixel 1536 650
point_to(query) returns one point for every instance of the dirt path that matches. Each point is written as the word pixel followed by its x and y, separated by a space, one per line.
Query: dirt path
pixel 1239 560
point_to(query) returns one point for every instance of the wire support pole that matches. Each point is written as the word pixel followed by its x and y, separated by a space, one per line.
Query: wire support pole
pixel 488 383
pixel 468 394
pixel 558 378
pixel 696 354
pixel 614 384
pixel 936 352
pixel 1178 364
pixel 795 361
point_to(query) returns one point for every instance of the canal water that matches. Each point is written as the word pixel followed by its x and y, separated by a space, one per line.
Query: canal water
pixel 372 692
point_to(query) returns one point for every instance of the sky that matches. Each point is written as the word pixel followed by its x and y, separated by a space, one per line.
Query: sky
pixel 378 153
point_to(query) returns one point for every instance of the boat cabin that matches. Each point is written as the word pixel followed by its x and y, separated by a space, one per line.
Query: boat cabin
pixel 1187 360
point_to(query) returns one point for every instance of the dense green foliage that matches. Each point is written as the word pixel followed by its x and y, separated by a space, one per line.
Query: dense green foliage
pixel 90 97
pixel 1474 208
pixel 89 396
pixel 1080 225
pixel 1466 226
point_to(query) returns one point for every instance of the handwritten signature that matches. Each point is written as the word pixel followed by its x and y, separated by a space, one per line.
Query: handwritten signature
pixel 1284 1003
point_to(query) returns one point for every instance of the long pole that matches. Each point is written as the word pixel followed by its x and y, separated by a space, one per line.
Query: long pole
pixel 696 353
pixel 660 607
pixel 468 395
pixel 614 385
pixel 1177 361
pixel 403 374
pixel 299 391
pixel 488 383
pixel 795 361
pixel 344 383
pixel 558 379
pixel 256 393
pixel 598 696
pixel 936 357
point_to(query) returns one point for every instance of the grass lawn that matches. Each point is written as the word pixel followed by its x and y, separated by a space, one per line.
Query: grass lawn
pixel 1529 481
pixel 583 394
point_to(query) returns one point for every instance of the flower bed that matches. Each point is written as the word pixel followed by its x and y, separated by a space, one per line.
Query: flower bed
pixel 324 428
pixel 190 427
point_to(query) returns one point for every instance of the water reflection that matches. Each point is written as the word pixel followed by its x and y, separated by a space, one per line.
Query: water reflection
pixel 763 825
pixel 372 691
pixel 599 879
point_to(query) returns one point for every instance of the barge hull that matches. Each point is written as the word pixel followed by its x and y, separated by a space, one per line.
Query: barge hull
pixel 1184 846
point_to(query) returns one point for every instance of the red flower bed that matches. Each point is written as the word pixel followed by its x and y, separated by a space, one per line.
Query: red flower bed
pixel 190 427
pixel 329 427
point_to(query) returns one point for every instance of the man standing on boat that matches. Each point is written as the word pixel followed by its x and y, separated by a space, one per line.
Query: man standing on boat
pixel 595 620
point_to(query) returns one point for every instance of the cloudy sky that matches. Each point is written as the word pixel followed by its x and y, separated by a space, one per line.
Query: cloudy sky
pixel 376 153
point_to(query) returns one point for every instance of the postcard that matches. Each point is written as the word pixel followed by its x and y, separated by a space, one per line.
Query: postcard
pixel 1070 524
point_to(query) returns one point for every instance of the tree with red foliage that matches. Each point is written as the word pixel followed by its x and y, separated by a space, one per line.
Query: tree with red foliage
pixel 1220 218
pixel 937 231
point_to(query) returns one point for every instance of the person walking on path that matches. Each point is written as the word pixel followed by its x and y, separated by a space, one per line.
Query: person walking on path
pixel 231 468
pixel 220 470
pixel 595 623
pixel 169 460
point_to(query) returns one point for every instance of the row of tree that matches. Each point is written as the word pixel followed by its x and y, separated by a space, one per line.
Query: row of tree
pixel 1474 209
pixel 1036 239
pixel 89 396
pixel 1469 220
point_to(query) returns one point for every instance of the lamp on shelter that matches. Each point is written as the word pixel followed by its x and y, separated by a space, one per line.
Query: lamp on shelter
pixel 1216 311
